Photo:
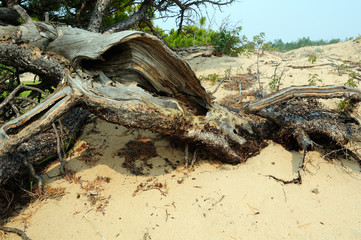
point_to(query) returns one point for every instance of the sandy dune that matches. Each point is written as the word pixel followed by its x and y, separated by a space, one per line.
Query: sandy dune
pixel 104 200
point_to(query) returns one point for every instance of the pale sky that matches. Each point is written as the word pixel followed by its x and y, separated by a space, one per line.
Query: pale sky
pixel 290 20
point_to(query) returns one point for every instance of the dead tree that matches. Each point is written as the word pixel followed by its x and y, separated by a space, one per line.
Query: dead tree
pixel 133 79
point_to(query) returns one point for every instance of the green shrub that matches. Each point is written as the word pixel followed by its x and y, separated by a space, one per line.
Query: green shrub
pixel 228 42
pixel 313 79
pixel 279 45
pixel 312 57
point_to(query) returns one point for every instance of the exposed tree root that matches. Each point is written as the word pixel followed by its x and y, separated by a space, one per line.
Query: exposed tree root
pixel 16 231
pixel 58 144
pixel 33 173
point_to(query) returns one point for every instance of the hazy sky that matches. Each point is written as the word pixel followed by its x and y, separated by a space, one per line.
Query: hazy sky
pixel 290 20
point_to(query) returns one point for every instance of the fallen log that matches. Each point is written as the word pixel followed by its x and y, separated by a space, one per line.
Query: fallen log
pixel 133 79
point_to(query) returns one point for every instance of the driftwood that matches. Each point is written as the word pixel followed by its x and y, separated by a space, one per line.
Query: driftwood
pixel 309 66
pixel 133 79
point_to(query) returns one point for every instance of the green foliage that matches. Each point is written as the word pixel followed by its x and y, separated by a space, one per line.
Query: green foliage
pixel 275 82
pixel 67 147
pixel 9 80
pixel 258 40
pixel 202 22
pixel 21 21
pixel 259 43
pixel 341 69
pixel 344 68
pixel 279 45
pixel 312 57
pixel 346 105
pixel 189 36
pixel 213 77
pixel 313 79
pixel 228 42
pixel 77 13
pixel 351 83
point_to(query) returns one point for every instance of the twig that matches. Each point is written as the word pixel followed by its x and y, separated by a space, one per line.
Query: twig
pixel 33 173
pixel 219 84
pixel 16 110
pixel 16 231
pixel 62 136
pixel 277 88
pixel 346 152
pixel 152 187
pixel 26 99
pixel 59 150
pixel 284 193
pixel 297 180
pixel 194 158
pixel 166 214
pixel 186 155
pixel 95 229
pixel 5 193
pixel 15 91
pixel 34 89
pixel 146 235
pixel 303 158
pixel 239 87
pixel 213 204
pixel 309 66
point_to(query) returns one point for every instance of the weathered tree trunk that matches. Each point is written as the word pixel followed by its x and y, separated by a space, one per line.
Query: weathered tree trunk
pixel 133 79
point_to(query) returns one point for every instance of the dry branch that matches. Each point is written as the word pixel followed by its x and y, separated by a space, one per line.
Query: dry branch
pixel 326 92
pixel 16 231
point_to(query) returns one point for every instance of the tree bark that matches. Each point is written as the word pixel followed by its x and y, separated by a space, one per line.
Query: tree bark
pixel 96 19
pixel 133 19
pixel 133 79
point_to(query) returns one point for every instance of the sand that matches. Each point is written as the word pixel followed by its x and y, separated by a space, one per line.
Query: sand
pixel 104 200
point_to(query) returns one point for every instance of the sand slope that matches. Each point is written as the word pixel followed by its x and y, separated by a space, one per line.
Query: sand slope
pixel 213 200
